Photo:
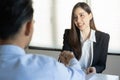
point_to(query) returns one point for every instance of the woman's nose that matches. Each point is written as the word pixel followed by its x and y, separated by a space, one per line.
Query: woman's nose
pixel 79 20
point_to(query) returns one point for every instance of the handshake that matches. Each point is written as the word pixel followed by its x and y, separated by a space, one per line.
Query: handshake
pixel 65 57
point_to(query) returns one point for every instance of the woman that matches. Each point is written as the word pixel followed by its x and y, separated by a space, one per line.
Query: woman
pixel 89 45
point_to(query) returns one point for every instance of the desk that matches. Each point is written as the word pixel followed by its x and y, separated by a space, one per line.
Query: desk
pixel 101 77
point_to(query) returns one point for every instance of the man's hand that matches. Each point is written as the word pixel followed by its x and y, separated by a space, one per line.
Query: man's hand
pixel 65 57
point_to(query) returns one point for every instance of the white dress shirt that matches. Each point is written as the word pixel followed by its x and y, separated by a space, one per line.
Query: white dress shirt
pixel 87 50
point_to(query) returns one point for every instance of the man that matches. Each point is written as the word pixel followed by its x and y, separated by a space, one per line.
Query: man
pixel 16 29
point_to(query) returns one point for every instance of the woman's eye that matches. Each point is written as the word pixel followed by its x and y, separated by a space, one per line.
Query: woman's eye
pixel 81 15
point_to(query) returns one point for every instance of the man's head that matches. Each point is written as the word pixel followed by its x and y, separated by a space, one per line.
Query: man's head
pixel 15 15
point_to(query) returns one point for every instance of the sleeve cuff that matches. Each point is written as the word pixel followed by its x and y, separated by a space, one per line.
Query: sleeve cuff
pixel 73 61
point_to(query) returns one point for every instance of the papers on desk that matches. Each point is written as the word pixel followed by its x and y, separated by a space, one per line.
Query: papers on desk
pixel 93 76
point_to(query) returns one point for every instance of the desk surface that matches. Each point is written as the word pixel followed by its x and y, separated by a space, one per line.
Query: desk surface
pixel 101 77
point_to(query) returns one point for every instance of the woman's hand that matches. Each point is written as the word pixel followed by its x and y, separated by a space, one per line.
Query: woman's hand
pixel 91 70
pixel 65 57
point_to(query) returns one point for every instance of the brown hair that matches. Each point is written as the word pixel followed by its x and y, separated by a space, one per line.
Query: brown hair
pixel 73 36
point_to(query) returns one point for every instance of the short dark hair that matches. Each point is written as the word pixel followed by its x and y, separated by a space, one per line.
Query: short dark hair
pixel 13 13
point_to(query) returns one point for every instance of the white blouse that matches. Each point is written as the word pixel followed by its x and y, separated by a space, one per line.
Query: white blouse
pixel 87 51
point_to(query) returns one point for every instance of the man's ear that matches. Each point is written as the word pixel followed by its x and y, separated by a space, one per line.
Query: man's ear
pixel 29 27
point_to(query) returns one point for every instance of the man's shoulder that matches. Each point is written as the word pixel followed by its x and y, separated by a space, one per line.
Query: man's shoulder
pixel 36 61
pixel 39 57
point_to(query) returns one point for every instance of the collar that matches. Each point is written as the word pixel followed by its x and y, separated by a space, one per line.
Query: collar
pixel 92 36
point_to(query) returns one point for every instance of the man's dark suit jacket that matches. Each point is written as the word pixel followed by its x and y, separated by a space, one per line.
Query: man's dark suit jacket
pixel 100 49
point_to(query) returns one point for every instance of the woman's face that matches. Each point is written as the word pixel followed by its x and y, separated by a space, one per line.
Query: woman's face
pixel 81 18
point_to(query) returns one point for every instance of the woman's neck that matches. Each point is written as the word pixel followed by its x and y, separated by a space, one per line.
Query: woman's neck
pixel 85 33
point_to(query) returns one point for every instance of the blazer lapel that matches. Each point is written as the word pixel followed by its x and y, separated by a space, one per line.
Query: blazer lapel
pixel 95 48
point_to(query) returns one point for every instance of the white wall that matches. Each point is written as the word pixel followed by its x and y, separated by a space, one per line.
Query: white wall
pixel 113 61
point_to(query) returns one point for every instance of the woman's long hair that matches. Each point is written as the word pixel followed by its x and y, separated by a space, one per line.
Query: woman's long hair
pixel 73 35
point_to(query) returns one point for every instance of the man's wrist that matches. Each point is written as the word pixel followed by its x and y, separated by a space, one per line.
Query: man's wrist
pixel 73 61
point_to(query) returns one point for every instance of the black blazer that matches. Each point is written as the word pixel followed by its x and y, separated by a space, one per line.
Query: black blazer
pixel 100 49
